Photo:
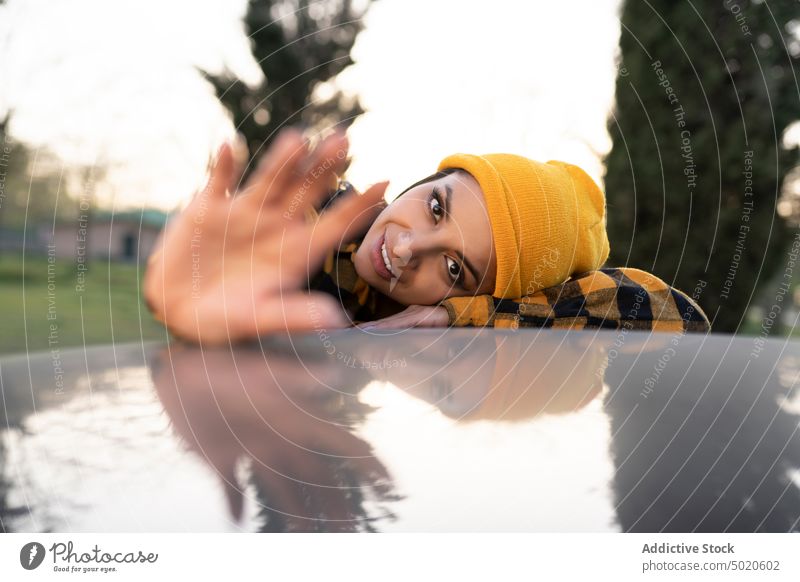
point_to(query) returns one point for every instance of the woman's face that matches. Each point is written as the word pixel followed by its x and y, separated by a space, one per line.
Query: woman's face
pixel 437 238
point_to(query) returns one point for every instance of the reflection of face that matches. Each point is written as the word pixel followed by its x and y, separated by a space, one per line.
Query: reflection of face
pixel 458 394
pixel 483 374
pixel 438 239
pixel 452 373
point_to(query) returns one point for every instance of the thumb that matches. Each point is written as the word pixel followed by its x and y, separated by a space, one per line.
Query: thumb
pixel 301 311
pixel 347 219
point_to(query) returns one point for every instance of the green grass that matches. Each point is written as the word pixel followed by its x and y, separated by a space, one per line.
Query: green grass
pixel 41 306
pixel 30 304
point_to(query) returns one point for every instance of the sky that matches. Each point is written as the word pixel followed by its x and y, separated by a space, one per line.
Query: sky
pixel 115 83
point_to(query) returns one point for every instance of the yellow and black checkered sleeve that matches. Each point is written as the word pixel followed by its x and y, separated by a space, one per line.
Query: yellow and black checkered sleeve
pixel 606 298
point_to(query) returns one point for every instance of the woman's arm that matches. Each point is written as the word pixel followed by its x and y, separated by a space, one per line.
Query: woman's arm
pixel 607 298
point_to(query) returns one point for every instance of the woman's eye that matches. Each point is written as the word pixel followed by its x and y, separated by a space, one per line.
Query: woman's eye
pixel 453 269
pixel 436 207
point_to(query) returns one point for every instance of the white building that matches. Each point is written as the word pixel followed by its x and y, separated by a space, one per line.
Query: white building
pixel 122 236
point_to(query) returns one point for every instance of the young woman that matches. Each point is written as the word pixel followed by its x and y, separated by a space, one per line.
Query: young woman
pixel 497 240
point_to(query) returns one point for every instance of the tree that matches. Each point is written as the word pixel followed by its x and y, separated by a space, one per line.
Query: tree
pixel 28 185
pixel 300 45
pixel 704 93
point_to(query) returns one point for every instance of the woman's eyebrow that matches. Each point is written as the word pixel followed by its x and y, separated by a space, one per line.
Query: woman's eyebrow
pixel 448 200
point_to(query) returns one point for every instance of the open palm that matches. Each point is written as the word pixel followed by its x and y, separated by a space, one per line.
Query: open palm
pixel 233 265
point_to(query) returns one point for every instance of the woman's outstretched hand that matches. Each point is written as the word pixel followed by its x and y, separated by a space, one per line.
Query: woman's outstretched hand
pixel 234 265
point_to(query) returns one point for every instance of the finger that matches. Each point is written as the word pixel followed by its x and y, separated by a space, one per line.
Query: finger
pixel 264 163
pixel 221 173
pixel 299 312
pixel 378 323
pixel 319 176
pixel 418 318
pixel 272 177
pixel 293 311
pixel 241 156
pixel 346 220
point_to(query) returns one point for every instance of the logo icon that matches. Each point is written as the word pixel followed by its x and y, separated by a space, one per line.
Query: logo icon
pixel 31 555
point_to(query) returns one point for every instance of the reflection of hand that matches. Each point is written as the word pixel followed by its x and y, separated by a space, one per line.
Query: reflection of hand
pixel 412 316
pixel 232 267
pixel 230 406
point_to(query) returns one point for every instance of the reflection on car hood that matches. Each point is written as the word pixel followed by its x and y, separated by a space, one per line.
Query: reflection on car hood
pixel 421 430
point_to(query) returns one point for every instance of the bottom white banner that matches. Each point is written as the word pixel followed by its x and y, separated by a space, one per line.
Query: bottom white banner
pixel 354 557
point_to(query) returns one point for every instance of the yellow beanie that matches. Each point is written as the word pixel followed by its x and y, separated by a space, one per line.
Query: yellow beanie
pixel 548 219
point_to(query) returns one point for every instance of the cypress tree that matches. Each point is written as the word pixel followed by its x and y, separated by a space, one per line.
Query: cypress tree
pixel 705 91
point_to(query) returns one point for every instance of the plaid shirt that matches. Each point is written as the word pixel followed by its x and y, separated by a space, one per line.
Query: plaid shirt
pixel 606 298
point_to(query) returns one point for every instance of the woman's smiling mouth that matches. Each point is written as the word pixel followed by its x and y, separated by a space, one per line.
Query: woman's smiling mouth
pixel 385 255
pixel 380 259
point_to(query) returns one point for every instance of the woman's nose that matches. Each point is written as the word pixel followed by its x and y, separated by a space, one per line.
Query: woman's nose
pixel 411 246
pixel 404 248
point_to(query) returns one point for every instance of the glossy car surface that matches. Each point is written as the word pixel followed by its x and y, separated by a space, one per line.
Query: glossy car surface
pixel 422 430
